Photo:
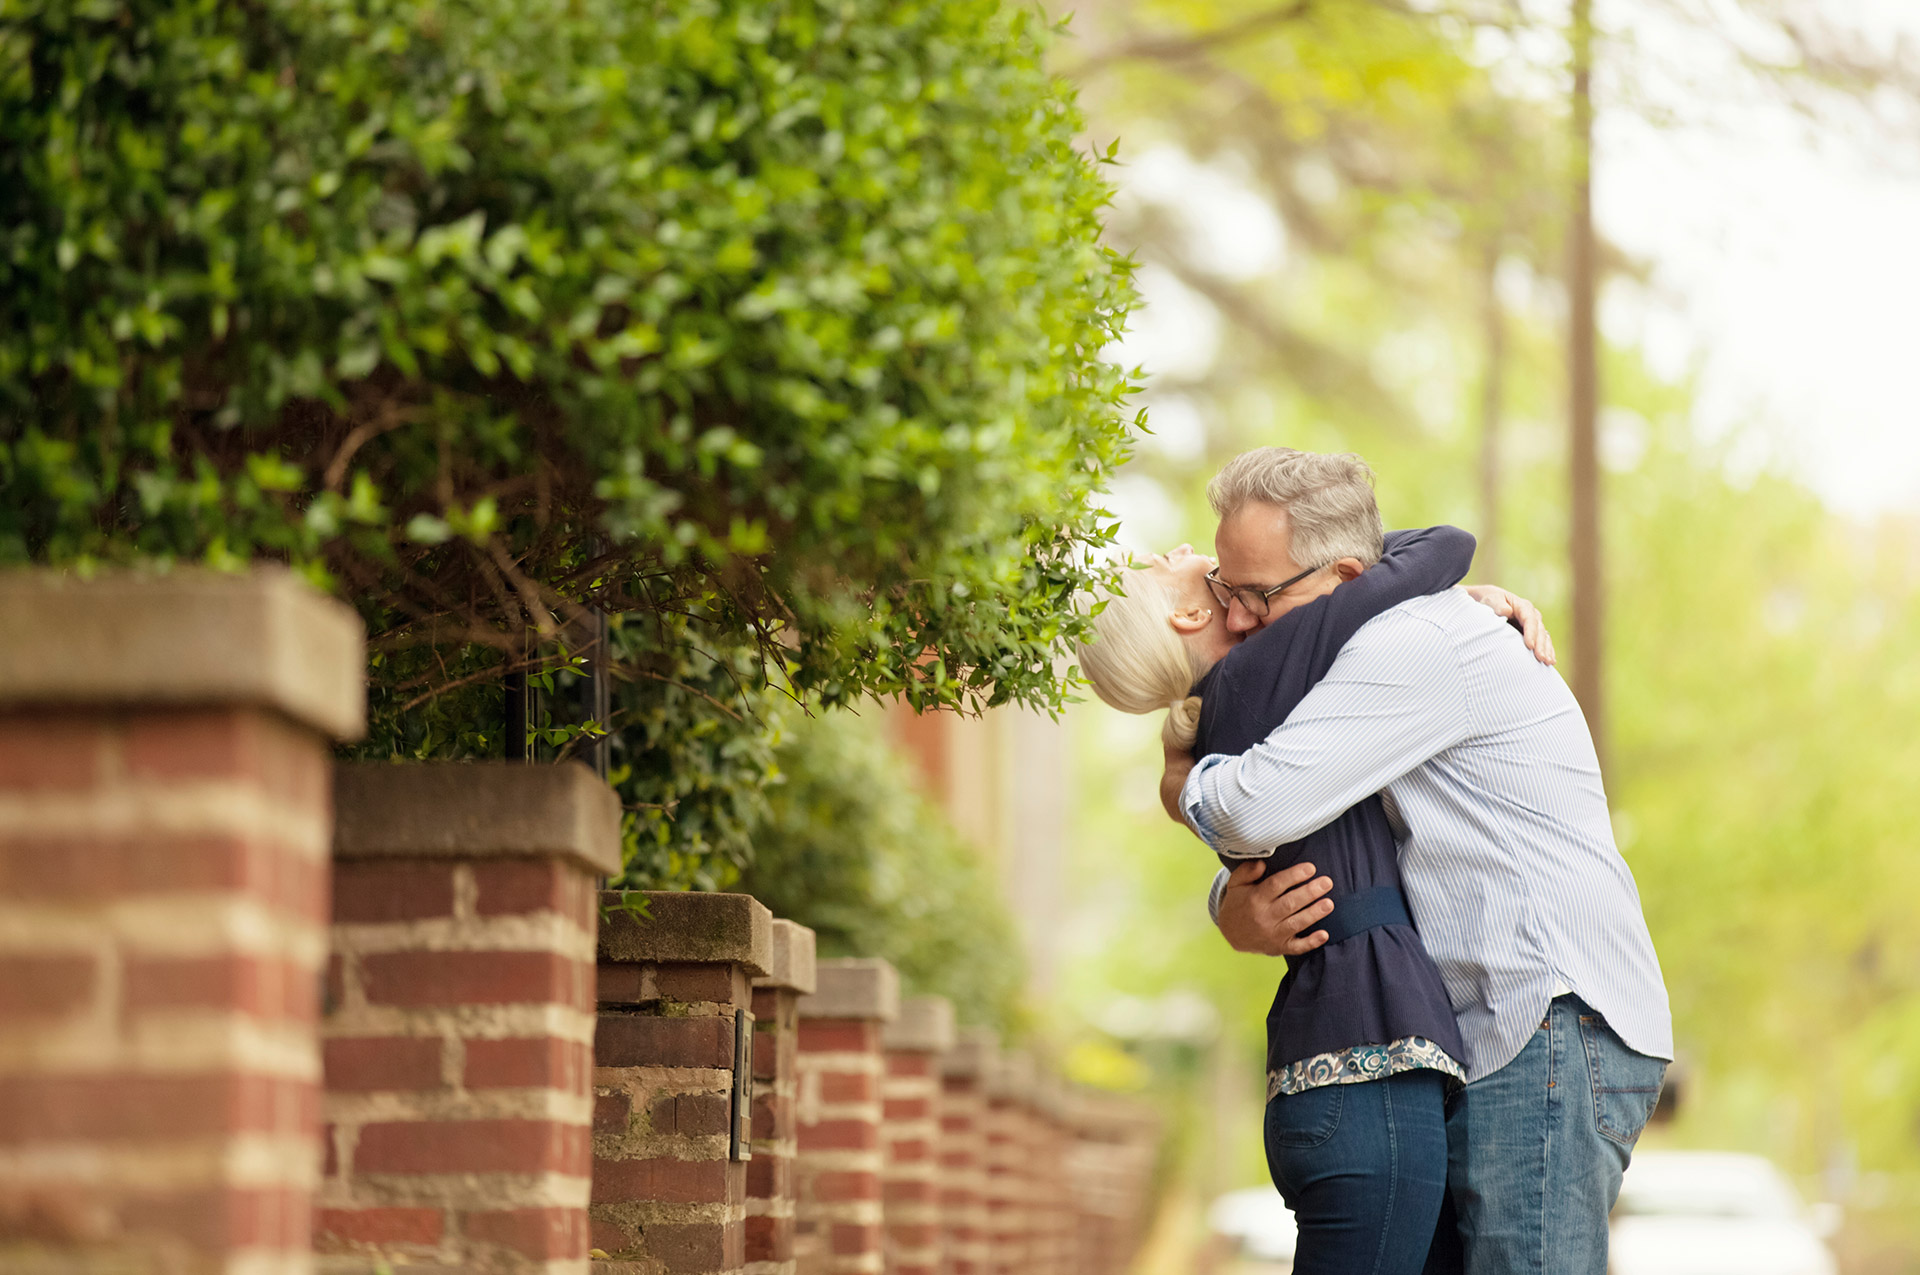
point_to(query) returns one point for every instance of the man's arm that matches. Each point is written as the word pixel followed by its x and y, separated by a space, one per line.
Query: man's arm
pixel 1513 608
pixel 1274 917
pixel 1394 699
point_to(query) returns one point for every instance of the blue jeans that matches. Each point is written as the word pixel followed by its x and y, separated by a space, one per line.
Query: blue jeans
pixel 1364 1169
pixel 1535 1151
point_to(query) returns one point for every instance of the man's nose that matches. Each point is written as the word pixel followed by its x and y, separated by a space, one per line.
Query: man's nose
pixel 1239 619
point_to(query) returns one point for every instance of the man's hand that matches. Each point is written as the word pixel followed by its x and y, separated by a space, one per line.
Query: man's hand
pixel 1520 612
pixel 1270 916
pixel 1179 764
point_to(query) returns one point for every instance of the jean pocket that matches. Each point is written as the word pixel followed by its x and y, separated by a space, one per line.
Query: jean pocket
pixel 1626 1085
pixel 1304 1119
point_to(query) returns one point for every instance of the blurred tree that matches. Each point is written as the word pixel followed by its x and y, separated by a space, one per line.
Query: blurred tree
pixel 773 332
pixel 1395 163
pixel 1583 392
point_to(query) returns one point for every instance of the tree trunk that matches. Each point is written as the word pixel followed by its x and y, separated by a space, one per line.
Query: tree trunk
pixel 1584 390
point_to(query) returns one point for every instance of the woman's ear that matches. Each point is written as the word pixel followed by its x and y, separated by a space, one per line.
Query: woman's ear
pixel 1190 619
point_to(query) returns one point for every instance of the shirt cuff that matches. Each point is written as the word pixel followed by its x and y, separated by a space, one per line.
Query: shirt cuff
pixel 1217 893
pixel 1193 798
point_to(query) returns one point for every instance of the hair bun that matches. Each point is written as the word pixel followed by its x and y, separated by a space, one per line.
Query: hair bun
pixel 1183 722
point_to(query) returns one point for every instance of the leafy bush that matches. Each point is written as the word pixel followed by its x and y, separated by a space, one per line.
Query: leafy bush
pixel 771 327
pixel 850 848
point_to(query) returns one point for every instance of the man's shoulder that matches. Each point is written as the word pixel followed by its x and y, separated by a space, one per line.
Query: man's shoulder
pixel 1445 633
pixel 1436 620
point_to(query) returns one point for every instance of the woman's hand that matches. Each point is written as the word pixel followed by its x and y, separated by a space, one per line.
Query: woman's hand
pixel 1521 613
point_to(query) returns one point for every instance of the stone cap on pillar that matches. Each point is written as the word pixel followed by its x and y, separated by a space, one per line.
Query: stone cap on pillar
pixel 475 810
pixel 1049 1096
pixel 975 1053
pixel 854 987
pixel 686 926
pixel 1014 1078
pixel 792 967
pixel 188 638
pixel 1108 1117
pixel 925 1026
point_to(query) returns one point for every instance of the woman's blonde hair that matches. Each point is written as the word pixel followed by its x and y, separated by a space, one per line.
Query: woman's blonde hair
pixel 1138 663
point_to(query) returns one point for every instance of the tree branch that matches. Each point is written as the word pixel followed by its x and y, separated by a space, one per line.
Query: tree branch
pixel 1170 47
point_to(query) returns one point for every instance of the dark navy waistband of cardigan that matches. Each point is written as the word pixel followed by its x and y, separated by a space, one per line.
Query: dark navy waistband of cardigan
pixel 1365 910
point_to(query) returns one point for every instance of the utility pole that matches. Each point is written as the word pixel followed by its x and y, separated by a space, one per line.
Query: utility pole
pixel 1493 375
pixel 1583 380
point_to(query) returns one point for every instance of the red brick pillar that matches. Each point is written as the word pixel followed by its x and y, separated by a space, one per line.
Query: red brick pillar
pixel 1008 1160
pixel 910 1133
pixel 1085 1172
pixel 1051 1243
pixel 1109 1166
pixel 164 824
pixel 673 1077
pixel 459 1028
pixel 963 1138
pixel 776 1084
pixel 837 1177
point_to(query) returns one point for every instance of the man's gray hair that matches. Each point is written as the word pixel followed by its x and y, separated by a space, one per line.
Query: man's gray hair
pixel 1328 499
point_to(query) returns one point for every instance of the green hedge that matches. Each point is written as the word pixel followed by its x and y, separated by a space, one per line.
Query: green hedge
pixel 771 327
pixel 849 847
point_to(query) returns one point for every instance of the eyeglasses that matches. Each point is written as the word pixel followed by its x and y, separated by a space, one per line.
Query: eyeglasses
pixel 1253 598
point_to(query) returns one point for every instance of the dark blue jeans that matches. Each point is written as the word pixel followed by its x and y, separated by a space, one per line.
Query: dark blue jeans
pixel 1364 1169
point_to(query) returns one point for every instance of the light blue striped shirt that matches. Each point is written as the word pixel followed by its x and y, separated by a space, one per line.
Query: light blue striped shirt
pixel 1508 858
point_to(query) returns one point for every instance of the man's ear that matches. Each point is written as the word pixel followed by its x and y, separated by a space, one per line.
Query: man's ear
pixel 1349 569
pixel 1190 619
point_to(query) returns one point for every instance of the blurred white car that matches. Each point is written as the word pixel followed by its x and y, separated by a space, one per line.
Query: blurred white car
pixel 1716 1213
pixel 1260 1228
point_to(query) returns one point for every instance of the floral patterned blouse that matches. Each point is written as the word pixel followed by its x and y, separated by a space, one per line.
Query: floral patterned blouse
pixel 1362 1063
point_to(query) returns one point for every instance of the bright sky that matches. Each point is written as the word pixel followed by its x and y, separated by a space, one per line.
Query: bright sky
pixel 1786 265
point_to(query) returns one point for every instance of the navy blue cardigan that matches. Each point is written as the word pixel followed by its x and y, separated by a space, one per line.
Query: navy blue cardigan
pixel 1377 985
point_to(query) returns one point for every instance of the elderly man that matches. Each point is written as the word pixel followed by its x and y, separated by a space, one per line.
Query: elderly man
pixel 1490 777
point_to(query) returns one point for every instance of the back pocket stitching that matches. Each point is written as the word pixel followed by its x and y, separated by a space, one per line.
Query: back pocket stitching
pixel 1588 1029
pixel 1331 1126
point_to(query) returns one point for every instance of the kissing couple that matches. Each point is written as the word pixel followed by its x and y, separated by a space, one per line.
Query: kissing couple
pixel 1472 1029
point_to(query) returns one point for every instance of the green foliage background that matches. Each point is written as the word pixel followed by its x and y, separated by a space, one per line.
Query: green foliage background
pixel 772 330
pixel 1764 657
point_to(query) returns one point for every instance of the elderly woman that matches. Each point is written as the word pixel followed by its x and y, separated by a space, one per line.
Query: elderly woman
pixel 1362 1044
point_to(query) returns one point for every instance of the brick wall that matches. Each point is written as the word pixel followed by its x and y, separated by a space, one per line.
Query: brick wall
pixel 1009 1165
pixel 838 1169
pixel 164 824
pixel 1108 1169
pixel 963 1173
pixel 669 1197
pixel 459 1029
pixel 910 1134
pixel 776 1083
pixel 1051 1222
pixel 166 918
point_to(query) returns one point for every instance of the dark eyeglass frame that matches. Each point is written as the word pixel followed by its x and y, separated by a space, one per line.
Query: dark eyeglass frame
pixel 1253 598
